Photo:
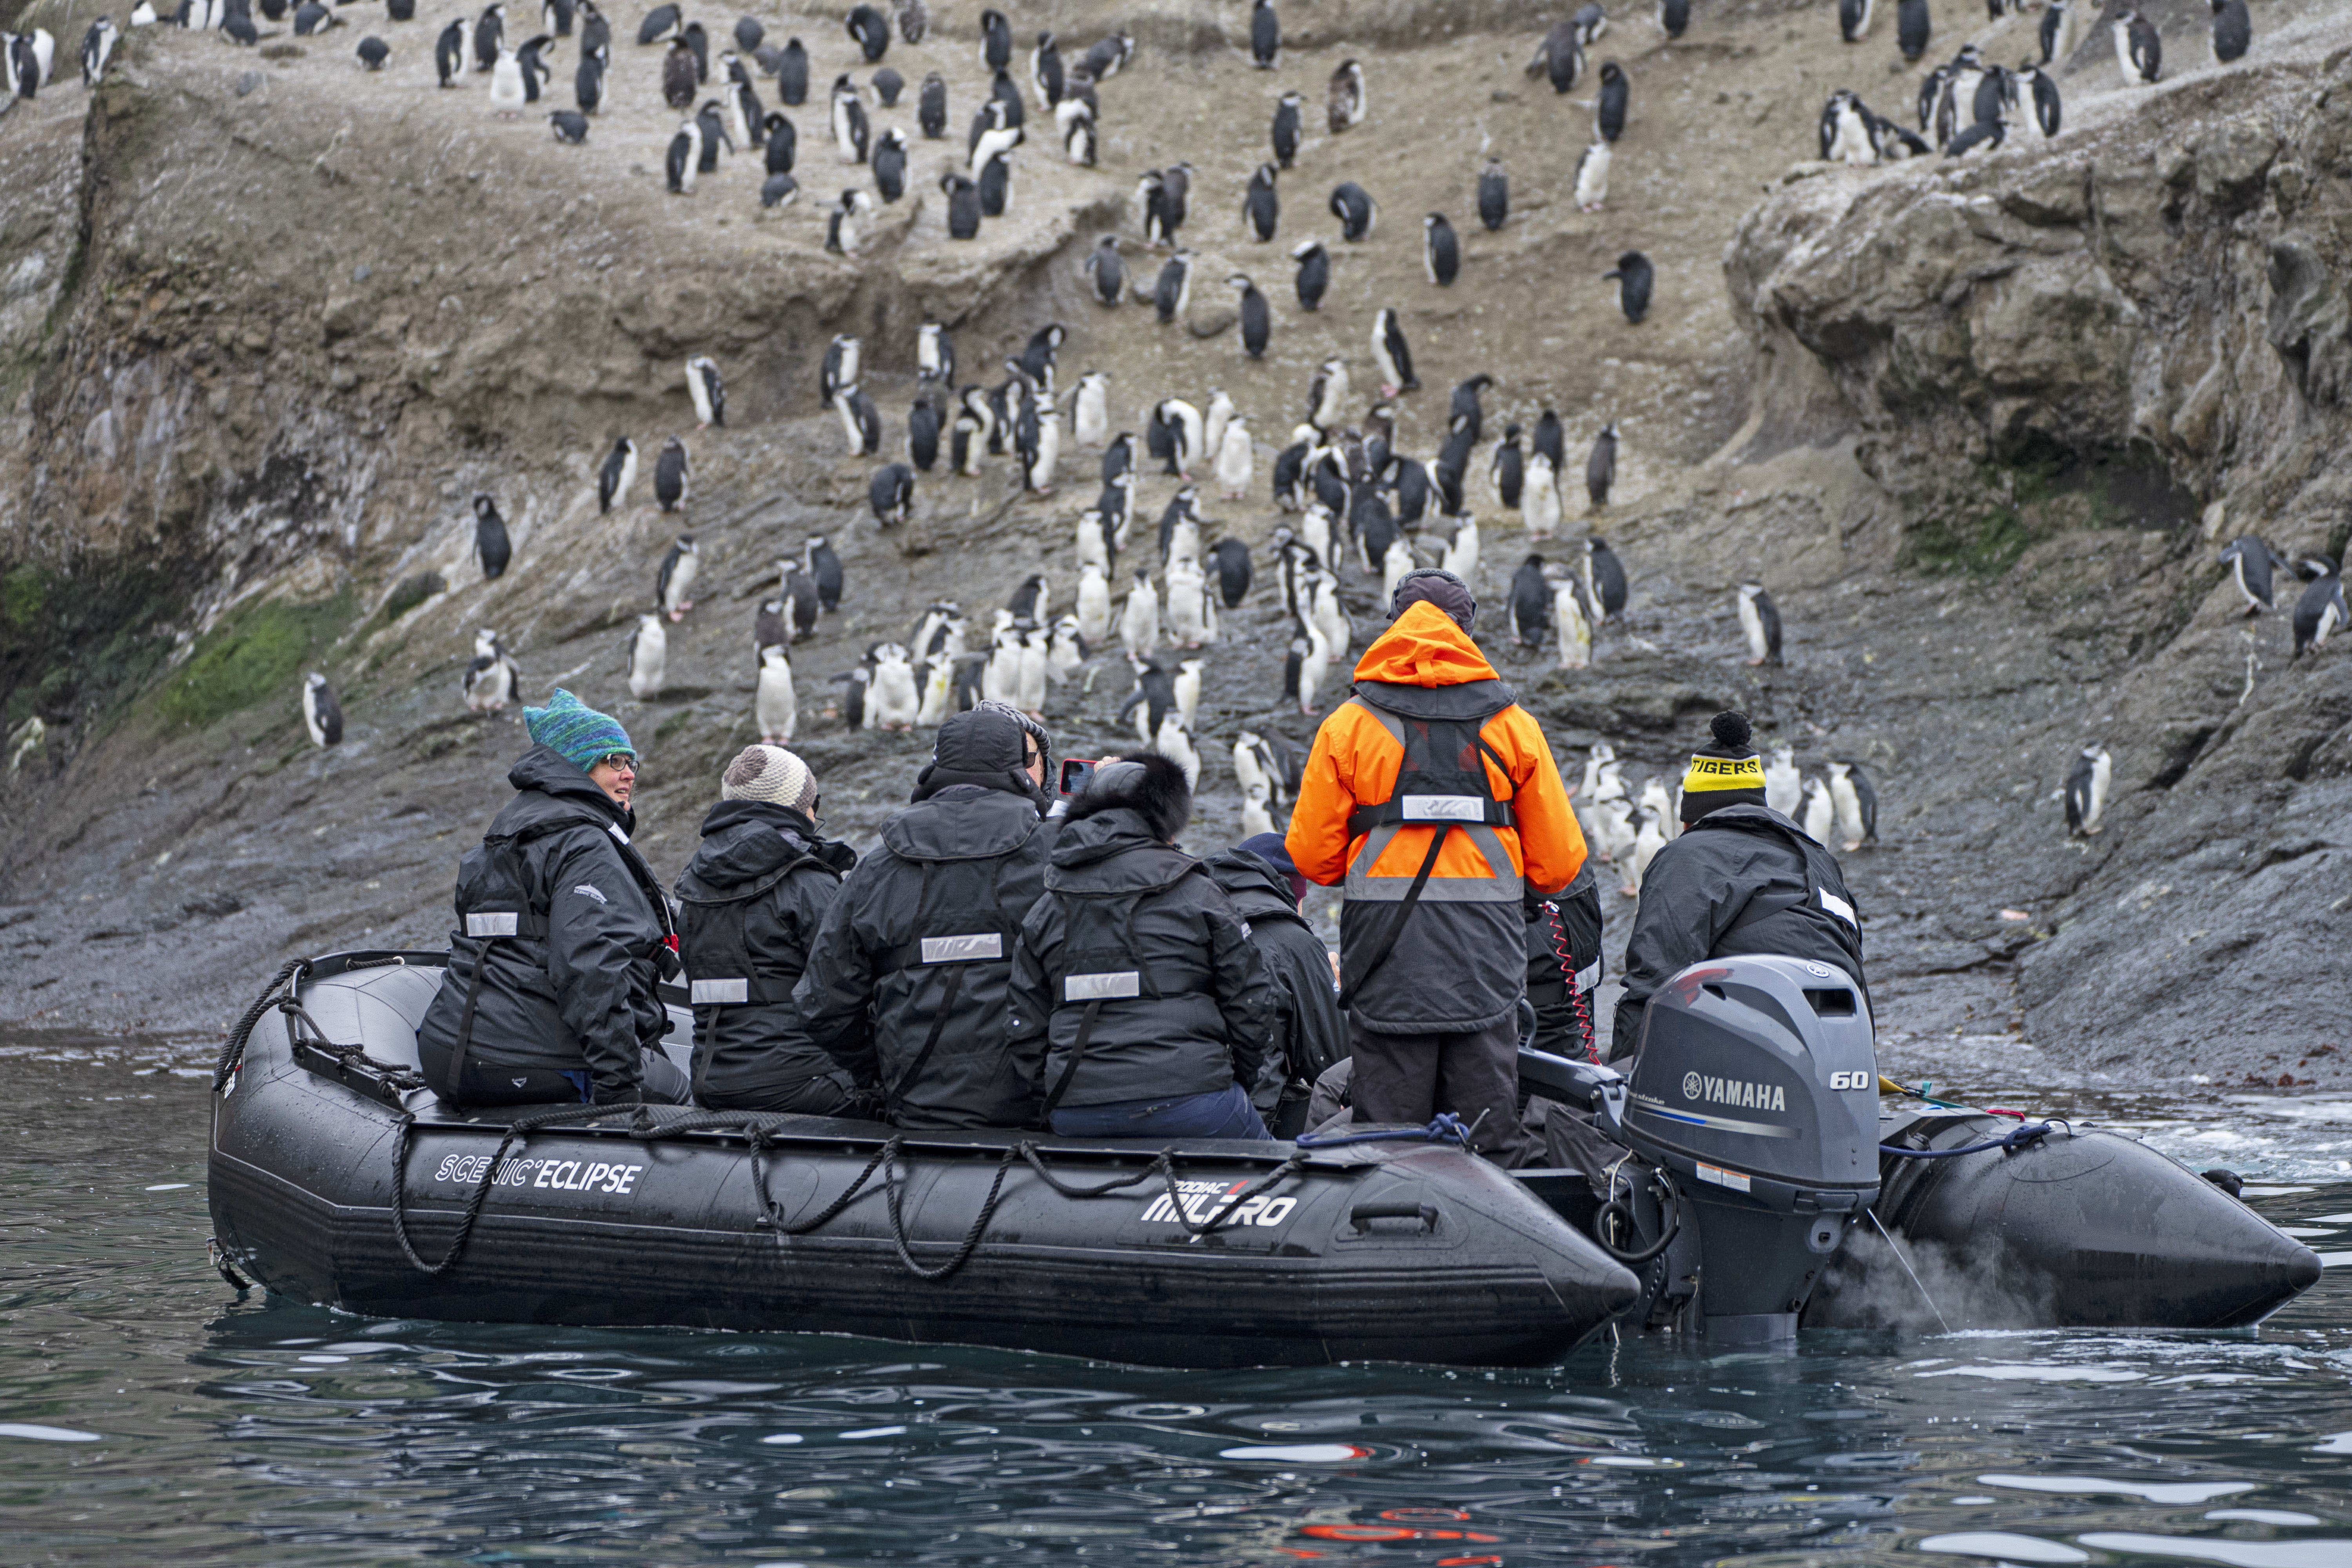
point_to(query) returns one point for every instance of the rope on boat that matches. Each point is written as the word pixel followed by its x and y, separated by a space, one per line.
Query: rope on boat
pixel 233 1053
pixel 2016 1138
pixel 518 1132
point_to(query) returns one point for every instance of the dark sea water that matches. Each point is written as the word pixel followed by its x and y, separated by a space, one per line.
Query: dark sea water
pixel 149 1413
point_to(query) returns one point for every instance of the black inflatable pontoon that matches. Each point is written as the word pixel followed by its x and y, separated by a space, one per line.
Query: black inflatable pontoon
pixel 1752 1181
pixel 1216 1254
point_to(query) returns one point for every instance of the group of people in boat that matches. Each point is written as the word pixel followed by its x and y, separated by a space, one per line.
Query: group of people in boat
pixel 1010 955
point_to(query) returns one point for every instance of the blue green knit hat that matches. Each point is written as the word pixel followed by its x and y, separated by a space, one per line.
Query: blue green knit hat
pixel 582 735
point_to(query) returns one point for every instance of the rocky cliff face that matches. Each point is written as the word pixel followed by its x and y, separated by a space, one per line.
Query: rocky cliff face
pixel 266 323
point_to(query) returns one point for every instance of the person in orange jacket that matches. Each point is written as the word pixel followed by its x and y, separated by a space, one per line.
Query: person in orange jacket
pixel 1434 796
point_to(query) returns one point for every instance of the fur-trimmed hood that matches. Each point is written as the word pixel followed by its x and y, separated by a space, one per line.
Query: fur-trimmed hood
pixel 1150 784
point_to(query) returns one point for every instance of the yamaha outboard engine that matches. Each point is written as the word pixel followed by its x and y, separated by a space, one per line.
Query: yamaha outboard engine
pixel 1756 1091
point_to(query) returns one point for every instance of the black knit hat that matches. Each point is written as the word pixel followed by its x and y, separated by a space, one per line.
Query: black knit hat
pixel 1438 586
pixel 1728 773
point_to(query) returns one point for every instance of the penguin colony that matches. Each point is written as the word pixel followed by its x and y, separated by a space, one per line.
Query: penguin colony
pixel 1359 511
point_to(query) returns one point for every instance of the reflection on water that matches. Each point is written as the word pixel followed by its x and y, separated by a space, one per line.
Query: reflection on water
pixel 147 1410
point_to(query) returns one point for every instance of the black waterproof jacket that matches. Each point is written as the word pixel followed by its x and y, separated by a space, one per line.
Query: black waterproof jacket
pixel 906 983
pixel 1304 1034
pixel 1564 940
pixel 573 988
pixel 748 906
pixel 1136 934
pixel 1741 879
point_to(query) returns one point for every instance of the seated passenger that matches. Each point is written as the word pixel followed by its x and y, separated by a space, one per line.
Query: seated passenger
pixel 750 902
pixel 905 985
pixel 1306 1034
pixel 1741 878
pixel 1135 981
pixel 562 934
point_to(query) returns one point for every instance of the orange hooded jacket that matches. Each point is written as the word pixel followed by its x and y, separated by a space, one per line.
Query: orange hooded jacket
pixel 1356 761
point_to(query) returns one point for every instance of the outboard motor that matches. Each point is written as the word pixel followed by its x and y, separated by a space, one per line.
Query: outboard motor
pixel 1755 1091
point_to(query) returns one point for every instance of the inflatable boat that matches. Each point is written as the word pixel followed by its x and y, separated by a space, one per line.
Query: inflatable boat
pixel 1747 1183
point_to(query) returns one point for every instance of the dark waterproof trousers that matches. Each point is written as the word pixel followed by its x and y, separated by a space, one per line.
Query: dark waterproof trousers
pixel 659 1081
pixel 1411 1078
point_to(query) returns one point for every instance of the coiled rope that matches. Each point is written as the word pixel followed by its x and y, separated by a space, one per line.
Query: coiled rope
pixel 232 1054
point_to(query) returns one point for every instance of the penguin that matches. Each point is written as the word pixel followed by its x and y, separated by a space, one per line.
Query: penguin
pixel 792 75
pixel 1759 621
pixel 1461 556
pixel 889 164
pixel 1289 112
pixel 1531 604
pixel 749 32
pixel 489 680
pixel 588 83
pixel 914 19
pixel 1040 354
pixel 1213 420
pixel 891 493
pixel 992 134
pixel 1843 130
pixel 2087 789
pixel 1232 560
pixel 2252 564
pixel 1356 211
pixel 1090 409
pixel 1673 18
pixel 1396 560
pixel 861 422
pixel 709 394
pixel 871 29
pixel 98 47
pixel 1314 275
pixel 1261 208
pixel 670 474
pixel 1609 115
pixel 802 604
pixel 1151 196
pixel 372 52
pixel 1391 355
pixel 1983 133
pixel 1560 56
pixel 711 124
pixel 970 437
pixel 322 714
pixel 848 119
pixel 2321 612
pixel 311 17
pixel 1045 72
pixel 775 708
pixel 449 53
pixel 963 206
pixel 2061 30
pixel 1185 432
pixel 2138 49
pixel 1139 620
pixel 684 153
pixel 1065 649
pixel 780 142
pixel 1326 395
pixel 648 656
pixel 1266 35
pixel 1601 467
pixel 931 107
pixel 1912 29
pixel 1820 812
pixel 1236 462
pixel 1441 252
pixel 1507 470
pixel 142 15
pixel 678 80
pixel 699 43
pixel 747 122
pixel 1493 195
pixel 617 474
pixel 1784 785
pixel 1094 604
pixel 1078 132
pixel 843 358
pixel 1328 616
pixel 1607 577
pixel 1892 142
pixel 1180 526
pixel 995 40
pixel 1109 57
pixel 506 91
pixel 1592 177
pixel 595 33
pixel 935 356
pixel 1343 102
pixel 1042 453
pixel 923 421
pixel 1853 20
pixel 769 627
pixel 777 190
pixel 1174 290
pixel 1633 277
pixel 490 544
pixel 843 221
pixel 673 584
pixel 2043 93
pixel 1309 657
pixel 1573 627
pixel 1001 90
pixel 1995 97
pixel 891 699
pixel 1191 618
pixel 1856 804
pixel 489 36
pixel 662 22
pixel 1029 601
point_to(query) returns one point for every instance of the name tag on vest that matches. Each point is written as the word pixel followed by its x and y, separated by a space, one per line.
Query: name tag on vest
pixel 963 948
pixel 719 993
pixel 1108 987
pixel 1836 906
pixel 1444 808
pixel 491 924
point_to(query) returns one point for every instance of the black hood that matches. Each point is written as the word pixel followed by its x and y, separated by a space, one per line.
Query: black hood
pixel 744 840
pixel 1257 889
pixel 962 824
pixel 550 787
pixel 980 748
pixel 1114 851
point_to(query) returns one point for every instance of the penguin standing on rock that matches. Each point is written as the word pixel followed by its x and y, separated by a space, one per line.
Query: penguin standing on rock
pixel 1616 95
pixel 995 40
pixel 2321 612
pixel 679 80
pixel 1592 177
pixel 1045 72
pixel 963 206
pixel 793 74
pixel 2252 564
pixel 2139 50
pixel 890 164
pixel 1256 317
pixel 1266 35
pixel 1288 111
pixel 618 473
pixel 776 707
pixel 372 51
pixel 1759 621
pixel 1391 354
pixel 1853 20
pixel 822 564
pixel 649 657
pixel 670 475
pixel 850 131
pixel 861 422
pixel 322 714
pixel 449 53
pixel 844 224
pixel 1090 410
pixel 1561 57
pixel 1344 105
pixel 491 544
pixel 1507 470
pixel 1161 216
pixel 843 358
pixel 1441 251
pixel 1356 211
pixel 684 157
pixel 2087 789
pixel 1174 290
pixel 2043 93
pixel 1531 604
pixel 931 107
pixel 588 82
pixel 871 29
pixel 2061 30
pixel 1601 467
pixel 1106 272
pixel 1633 277
pixel 490 35
pixel 1260 207
pixel 1673 18
pixel 709 394
pixel 674 585
pixel 489 680
pixel 1493 195
pixel 1856 804
pixel 1314 275
pixel 1912 29
pixel 891 494
pixel 1607 575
